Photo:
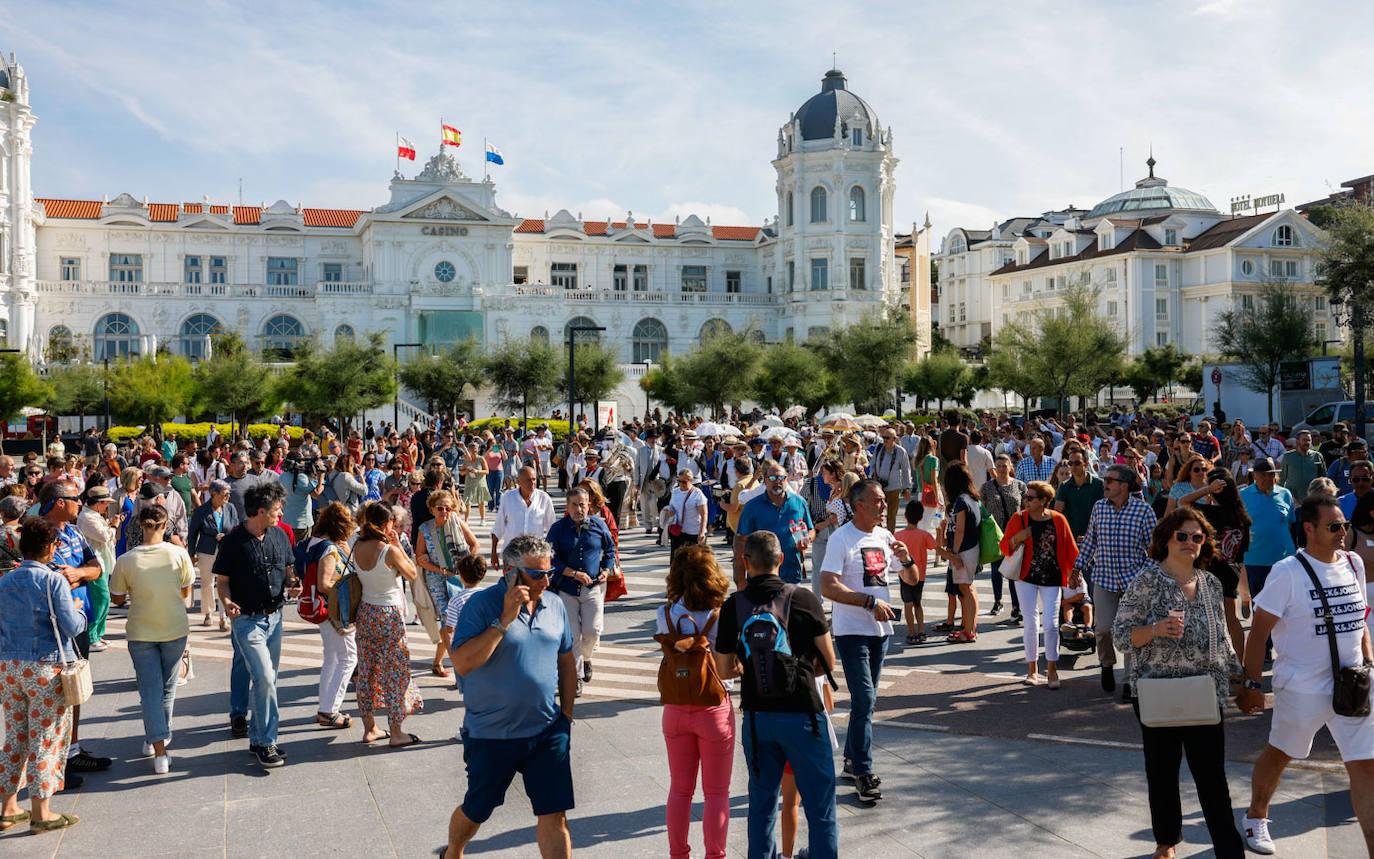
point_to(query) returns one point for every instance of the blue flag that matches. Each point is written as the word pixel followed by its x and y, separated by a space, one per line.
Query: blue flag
pixel 494 155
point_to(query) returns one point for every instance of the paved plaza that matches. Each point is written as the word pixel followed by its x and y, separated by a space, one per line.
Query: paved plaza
pixel 973 762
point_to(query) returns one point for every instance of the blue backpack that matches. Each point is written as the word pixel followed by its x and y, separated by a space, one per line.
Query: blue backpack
pixel 764 650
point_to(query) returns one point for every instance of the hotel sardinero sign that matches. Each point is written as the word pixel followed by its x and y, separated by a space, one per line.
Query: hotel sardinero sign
pixel 443 231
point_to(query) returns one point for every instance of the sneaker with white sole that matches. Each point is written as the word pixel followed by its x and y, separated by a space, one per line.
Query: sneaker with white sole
pixel 1257 835
pixel 148 749
pixel 161 764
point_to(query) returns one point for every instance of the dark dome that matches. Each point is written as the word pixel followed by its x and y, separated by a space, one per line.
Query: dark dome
pixel 817 114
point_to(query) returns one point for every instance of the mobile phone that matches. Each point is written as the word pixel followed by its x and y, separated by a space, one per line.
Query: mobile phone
pixel 510 578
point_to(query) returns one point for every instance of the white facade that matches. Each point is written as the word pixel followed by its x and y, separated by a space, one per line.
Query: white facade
pixel 440 260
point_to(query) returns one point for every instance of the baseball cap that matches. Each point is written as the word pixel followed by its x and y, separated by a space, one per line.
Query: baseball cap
pixel 160 471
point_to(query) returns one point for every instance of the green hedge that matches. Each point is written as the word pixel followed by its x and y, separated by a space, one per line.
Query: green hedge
pixel 200 430
pixel 558 428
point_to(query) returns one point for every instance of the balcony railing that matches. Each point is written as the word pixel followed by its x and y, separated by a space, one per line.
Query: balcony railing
pixel 526 290
pixel 204 290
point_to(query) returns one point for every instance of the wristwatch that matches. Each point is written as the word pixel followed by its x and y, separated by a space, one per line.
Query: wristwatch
pixel 499 626
pixel 910 562
pixel 1251 684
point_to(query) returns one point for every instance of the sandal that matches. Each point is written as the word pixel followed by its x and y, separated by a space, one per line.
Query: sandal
pixel 920 638
pixel 438 670
pixel 385 736
pixel 12 820
pixel 944 626
pixel 413 740
pixel 223 625
pixel 333 720
pixel 912 639
pixel 62 822
pixel 961 637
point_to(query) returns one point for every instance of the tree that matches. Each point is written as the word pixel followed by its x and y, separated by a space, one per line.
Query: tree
pixel 667 384
pixel 865 357
pixel 234 380
pixel 343 381
pixel 153 389
pixel 524 374
pixel 939 376
pixel 789 373
pixel 722 369
pixel 1191 375
pixel 20 388
pixel 1262 335
pixel 1006 368
pixel 66 348
pixel 441 379
pixel 1153 369
pixel 1345 266
pixel 75 389
pixel 597 372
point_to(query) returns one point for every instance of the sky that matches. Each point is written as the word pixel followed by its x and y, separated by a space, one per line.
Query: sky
pixel 669 109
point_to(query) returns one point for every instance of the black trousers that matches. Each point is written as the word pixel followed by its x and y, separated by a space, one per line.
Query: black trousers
pixel 679 541
pixel 615 498
pixel 1205 747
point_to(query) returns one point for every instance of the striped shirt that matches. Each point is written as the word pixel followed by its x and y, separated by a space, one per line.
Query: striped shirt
pixel 1027 470
pixel 1114 548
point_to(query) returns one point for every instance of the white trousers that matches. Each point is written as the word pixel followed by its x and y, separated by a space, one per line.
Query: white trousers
pixel 586 612
pixel 205 564
pixel 340 658
pixel 1033 616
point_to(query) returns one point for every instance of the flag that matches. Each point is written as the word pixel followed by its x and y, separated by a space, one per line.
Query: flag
pixel 405 149
pixel 451 135
pixel 494 155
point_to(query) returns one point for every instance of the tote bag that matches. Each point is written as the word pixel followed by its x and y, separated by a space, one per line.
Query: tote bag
pixel 75 676
pixel 1176 702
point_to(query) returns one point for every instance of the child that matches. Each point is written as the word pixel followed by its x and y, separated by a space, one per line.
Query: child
pixel 918 542
pixel 471 568
pixel 1075 604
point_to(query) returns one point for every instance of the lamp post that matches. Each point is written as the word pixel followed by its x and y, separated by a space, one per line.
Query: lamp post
pixel 573 331
pixel 396 369
pixel 647 364
pixel 1354 314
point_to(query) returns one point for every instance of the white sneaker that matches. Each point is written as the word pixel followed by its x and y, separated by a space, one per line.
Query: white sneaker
pixel 1257 835
pixel 149 750
pixel 161 764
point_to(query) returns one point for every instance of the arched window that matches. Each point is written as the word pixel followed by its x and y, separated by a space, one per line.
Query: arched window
pixel 582 336
pixel 1284 237
pixel 540 334
pixel 856 204
pixel 281 335
pixel 650 339
pixel 818 205
pixel 4 332
pixel 714 328
pixel 791 217
pixel 116 336
pixel 345 332
pixel 195 334
pixel 957 245
pixel 61 345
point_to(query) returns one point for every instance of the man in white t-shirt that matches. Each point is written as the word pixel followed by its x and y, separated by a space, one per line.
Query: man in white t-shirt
pixel 1290 610
pixel 860 559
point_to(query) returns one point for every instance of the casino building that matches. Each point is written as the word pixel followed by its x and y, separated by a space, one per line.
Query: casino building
pixel 439 260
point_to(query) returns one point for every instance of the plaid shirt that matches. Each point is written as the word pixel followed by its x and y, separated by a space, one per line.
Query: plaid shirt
pixel 1027 470
pixel 1114 548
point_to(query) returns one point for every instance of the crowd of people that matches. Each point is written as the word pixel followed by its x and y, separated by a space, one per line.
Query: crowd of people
pixel 1148 542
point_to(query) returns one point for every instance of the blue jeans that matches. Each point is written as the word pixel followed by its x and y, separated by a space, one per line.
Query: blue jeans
pixel 494 489
pixel 156 665
pixel 862 658
pixel 257 641
pixel 997 581
pixel 771 740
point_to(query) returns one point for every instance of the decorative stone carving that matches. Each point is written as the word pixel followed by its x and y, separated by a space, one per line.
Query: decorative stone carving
pixel 70 240
pixel 446 209
pixel 334 246
pixel 441 168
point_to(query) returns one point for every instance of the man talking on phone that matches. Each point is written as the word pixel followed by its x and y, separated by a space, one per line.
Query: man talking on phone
pixel 860 559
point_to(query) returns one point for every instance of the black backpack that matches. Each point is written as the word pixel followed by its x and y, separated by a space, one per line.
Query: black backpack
pixel 764 650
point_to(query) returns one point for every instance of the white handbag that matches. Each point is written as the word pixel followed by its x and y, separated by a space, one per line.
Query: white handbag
pixel 1177 702
pixel 76 676
pixel 1011 564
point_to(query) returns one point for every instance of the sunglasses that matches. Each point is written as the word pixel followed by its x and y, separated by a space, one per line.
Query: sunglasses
pixel 1361 479
pixel 776 478
pixel 1337 527
pixel 534 574
pixel 443 508
pixel 1196 537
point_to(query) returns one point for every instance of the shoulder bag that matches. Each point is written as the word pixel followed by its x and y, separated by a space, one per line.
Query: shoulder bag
pixel 1011 564
pixel 1350 690
pixel 75 676
pixel 989 537
pixel 1177 702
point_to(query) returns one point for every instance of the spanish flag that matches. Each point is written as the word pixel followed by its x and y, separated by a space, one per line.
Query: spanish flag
pixel 451 136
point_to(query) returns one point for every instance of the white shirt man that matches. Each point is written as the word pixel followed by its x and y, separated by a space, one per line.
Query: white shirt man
pixel 524 510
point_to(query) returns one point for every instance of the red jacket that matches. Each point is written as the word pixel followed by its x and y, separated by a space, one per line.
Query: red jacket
pixel 1065 549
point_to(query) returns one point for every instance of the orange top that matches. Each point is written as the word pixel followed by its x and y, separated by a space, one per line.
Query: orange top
pixel 1065 549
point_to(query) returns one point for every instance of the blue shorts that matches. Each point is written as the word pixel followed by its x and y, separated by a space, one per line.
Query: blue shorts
pixel 542 760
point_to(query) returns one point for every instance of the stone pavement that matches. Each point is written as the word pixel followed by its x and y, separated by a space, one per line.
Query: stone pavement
pixel 973 763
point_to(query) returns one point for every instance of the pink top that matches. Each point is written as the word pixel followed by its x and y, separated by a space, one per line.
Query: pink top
pixel 494 458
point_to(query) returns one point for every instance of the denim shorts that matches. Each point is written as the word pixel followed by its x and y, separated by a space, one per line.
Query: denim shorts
pixel 542 760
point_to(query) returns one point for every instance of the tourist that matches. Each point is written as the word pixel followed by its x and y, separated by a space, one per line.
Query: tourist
pixel 1170 619
pixel 1339 472
pixel 1225 513
pixel 495 459
pixel 1301 465
pixel 383 681
pixel 1045 567
pixel 919 544
pixel 1272 512
pixel 1002 495
pixel 961 541
pixel 925 467
pixel 345 482
pixel 441 542
pixel 209 523
pixel 475 492
pixel 94 524
pixel 328 541
pixel 584 555
pixel 685 513
pixel 1190 482
pixel 784 513
pixel 38 621
pixel 523 510
pixel 130 482
pixel 1361 477
pixel 303 485
pixel 891 467
pixel 748 484
pixel 156 578
pixel 1035 466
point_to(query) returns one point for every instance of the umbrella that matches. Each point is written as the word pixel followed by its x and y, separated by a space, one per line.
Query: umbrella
pixel 776 432
pixel 794 413
pixel 770 421
pixel 870 421
pixel 840 421
pixel 712 428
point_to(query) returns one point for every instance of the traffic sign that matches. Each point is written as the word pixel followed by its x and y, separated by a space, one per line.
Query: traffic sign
pixel 1216 375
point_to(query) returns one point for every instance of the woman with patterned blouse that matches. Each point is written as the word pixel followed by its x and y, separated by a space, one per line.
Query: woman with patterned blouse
pixel 1171 617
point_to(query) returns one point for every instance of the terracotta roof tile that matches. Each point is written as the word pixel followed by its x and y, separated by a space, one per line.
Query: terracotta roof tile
pixel 744 234
pixel 330 217
pixel 192 208
pixel 247 214
pixel 219 210
pixel 531 225
pixel 162 211
pixel 664 231
pixel 594 228
pixel 87 209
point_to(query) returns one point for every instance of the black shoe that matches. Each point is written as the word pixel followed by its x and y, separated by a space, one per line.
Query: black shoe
pixel 72 781
pixel 587 670
pixel 1126 694
pixel 579 688
pixel 847 771
pixel 238 727
pixel 267 756
pixel 1016 615
pixel 996 608
pixel 85 762
pixel 1108 679
pixel 281 753
pixel 866 784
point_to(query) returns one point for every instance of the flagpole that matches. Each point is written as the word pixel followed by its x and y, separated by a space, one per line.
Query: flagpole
pixel 485 170
pixel 398 152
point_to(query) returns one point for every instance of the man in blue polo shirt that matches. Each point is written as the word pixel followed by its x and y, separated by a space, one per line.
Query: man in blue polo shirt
pixel 513 650
pixel 784 513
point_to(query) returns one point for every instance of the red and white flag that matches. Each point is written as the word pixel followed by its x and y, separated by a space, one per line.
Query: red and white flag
pixel 404 148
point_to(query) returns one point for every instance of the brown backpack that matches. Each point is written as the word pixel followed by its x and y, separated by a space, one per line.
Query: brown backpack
pixel 687 675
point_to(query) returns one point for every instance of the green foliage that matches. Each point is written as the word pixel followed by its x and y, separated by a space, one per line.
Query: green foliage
pixel 865 358
pixel 789 373
pixel 441 379
pixel 940 376
pixel 597 372
pixel 66 349
pixel 557 429
pixel 201 430
pixel 1259 338
pixel 721 370
pixel 667 384
pixel 153 389
pixel 343 381
pixel 1321 216
pixel 1153 369
pixel 75 389
pixel 19 386
pixel 1005 369
pixel 1191 375
pixel 524 374
pixel 234 380
pixel 1345 263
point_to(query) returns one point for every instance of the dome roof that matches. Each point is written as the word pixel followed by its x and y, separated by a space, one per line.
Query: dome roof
pixel 817 114
pixel 1151 195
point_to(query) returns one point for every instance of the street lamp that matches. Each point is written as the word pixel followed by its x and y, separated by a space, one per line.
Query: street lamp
pixel 1353 313
pixel 573 331
pixel 647 364
pixel 396 368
